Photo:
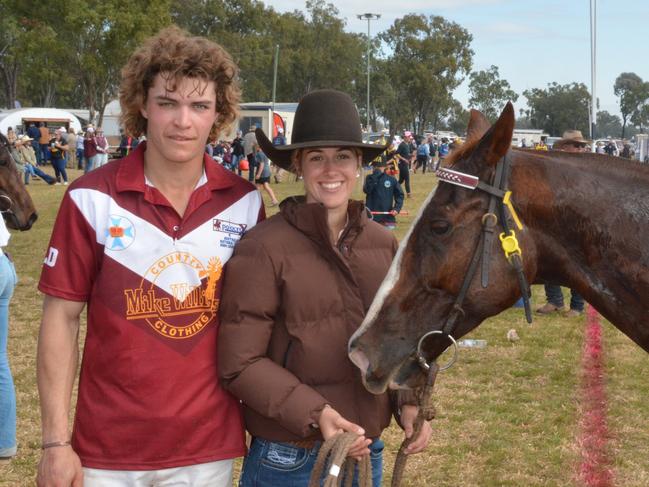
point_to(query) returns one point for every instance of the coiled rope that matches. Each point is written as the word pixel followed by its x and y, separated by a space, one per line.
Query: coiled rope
pixel 333 452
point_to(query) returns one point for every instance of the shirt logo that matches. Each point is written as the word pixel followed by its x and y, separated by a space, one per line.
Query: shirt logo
pixel 189 309
pixel 387 184
pixel 120 233
pixel 234 232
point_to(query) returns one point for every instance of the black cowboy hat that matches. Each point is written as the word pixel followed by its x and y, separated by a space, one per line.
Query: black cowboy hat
pixel 324 118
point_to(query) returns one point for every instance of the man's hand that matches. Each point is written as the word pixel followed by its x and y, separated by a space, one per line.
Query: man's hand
pixel 59 467
pixel 408 416
pixel 332 423
pixel 394 212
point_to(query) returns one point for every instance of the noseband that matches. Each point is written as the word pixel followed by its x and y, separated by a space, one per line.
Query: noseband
pixel 499 200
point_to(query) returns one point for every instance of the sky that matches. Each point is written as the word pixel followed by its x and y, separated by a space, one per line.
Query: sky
pixel 532 43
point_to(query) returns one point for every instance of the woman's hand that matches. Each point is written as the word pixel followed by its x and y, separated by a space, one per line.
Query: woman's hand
pixel 408 416
pixel 332 423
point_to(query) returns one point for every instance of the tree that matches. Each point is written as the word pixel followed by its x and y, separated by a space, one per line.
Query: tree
pixel 430 56
pixel 559 108
pixel 489 93
pixel 458 118
pixel 608 125
pixel 633 94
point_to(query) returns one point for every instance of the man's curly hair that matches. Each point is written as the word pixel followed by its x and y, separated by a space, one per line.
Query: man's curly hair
pixel 175 54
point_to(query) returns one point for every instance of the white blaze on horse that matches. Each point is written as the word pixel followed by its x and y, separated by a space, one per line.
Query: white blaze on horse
pixel 16 204
pixel 584 223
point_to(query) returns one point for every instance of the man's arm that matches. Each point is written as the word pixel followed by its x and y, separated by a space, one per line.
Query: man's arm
pixel 57 358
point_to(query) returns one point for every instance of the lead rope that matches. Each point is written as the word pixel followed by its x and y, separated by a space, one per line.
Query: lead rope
pixel 426 413
pixel 333 455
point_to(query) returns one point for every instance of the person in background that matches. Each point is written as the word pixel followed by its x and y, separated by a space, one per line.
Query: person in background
pixel 315 268
pixel 44 142
pixel 72 153
pixel 249 142
pixel 79 150
pixel 102 148
pixel 125 142
pixel 238 152
pixel 35 134
pixel 542 144
pixel 8 444
pixel 423 155
pixel 89 150
pixel 404 155
pixel 262 178
pixel 572 141
pixel 27 161
pixel 11 135
pixel 58 150
pixel 279 139
pixel 384 194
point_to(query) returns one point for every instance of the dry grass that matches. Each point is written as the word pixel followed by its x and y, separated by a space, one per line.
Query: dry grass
pixel 507 414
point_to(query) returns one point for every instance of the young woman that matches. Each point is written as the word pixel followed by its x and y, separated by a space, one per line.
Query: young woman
pixel 296 289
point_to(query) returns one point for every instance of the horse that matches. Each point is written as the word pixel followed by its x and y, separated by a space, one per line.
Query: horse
pixel 583 224
pixel 16 204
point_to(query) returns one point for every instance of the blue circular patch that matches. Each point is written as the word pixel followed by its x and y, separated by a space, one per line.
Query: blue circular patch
pixel 387 183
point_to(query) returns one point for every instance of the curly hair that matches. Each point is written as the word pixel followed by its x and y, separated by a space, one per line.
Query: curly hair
pixel 175 54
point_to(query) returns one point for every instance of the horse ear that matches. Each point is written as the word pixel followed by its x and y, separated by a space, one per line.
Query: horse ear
pixel 478 125
pixel 496 142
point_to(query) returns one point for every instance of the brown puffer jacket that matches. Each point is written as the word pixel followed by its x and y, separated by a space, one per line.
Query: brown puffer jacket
pixel 290 303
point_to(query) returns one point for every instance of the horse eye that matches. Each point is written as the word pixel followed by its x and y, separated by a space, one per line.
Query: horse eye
pixel 440 227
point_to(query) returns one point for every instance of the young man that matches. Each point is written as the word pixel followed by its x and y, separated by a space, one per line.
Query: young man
pixel 142 241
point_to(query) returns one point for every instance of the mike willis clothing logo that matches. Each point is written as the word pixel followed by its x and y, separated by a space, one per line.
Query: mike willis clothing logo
pixel 190 307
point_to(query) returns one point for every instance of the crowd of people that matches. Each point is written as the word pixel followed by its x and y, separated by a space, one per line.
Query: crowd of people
pixel 61 149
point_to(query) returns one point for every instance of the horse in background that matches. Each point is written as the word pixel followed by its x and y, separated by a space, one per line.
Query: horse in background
pixel 16 204
pixel 585 225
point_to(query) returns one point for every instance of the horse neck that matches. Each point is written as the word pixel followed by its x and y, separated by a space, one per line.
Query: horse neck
pixel 586 216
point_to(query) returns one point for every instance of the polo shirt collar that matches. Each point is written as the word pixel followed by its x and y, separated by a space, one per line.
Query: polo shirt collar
pixel 130 175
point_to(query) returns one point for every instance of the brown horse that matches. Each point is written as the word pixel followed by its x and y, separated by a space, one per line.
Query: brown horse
pixel 585 224
pixel 16 204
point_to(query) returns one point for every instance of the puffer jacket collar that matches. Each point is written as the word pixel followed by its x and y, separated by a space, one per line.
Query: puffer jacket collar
pixel 311 219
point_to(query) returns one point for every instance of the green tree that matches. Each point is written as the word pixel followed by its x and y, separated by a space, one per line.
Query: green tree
pixel 489 93
pixel 101 35
pixel 458 118
pixel 633 94
pixel 559 108
pixel 430 56
pixel 608 125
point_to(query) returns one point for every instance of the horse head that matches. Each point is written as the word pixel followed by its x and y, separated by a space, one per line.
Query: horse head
pixel 16 204
pixel 421 288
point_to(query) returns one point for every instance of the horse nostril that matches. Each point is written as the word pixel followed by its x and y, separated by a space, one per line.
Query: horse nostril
pixel 360 360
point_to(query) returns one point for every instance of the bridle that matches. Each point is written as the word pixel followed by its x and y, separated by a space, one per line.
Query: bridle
pixel 499 200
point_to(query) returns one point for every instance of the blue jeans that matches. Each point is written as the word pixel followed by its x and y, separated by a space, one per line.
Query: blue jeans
pixel 59 168
pixel 37 150
pixel 271 464
pixel 554 296
pixel 90 164
pixel 34 171
pixel 79 158
pixel 7 391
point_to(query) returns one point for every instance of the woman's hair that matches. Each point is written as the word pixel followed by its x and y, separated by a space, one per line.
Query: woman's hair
pixel 296 157
pixel 174 54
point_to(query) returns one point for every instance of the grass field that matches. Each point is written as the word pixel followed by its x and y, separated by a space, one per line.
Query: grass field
pixel 507 414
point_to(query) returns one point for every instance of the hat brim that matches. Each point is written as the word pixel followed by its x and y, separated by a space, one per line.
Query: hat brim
pixel 281 154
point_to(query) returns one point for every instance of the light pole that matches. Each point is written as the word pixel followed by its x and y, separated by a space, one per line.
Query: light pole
pixel 369 17
pixel 593 68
